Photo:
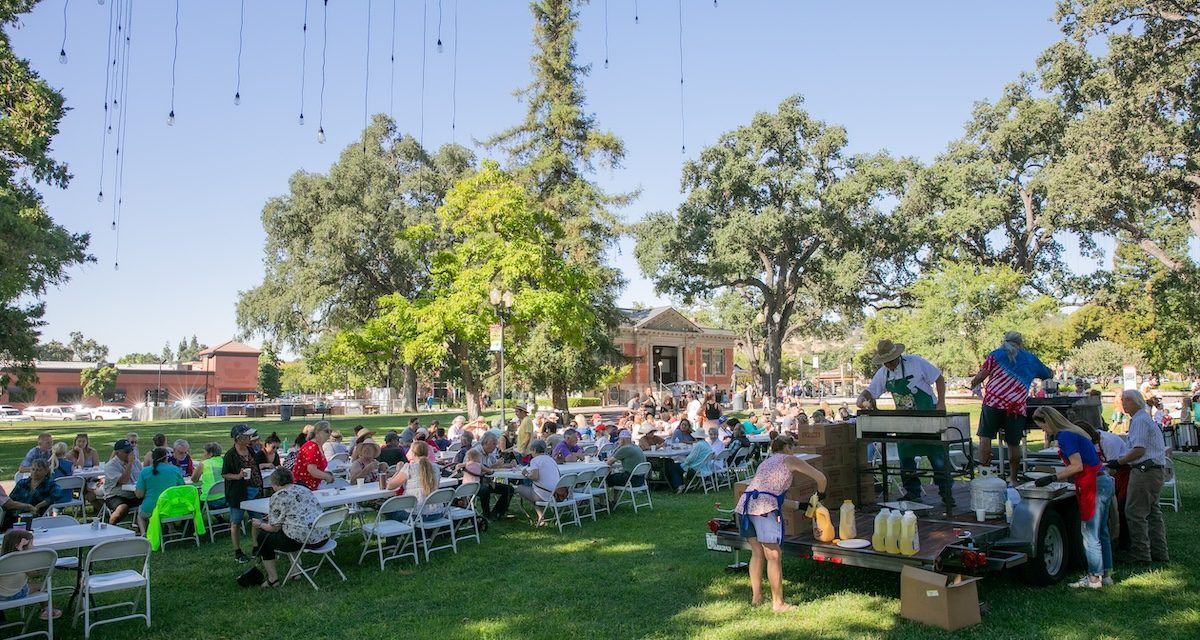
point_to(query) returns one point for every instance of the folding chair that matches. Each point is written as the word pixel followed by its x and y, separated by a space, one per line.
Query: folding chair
pixel 1170 488
pixel 466 517
pixel 54 522
pixel 591 450
pixel 554 507
pixel 454 447
pixel 328 520
pixel 605 451
pixel 185 520
pixel 721 471
pixel 438 502
pixel 215 526
pixel 599 489
pixel 92 582
pixel 21 562
pixel 707 481
pixel 582 492
pixel 630 491
pixel 339 465
pixel 742 464
pixel 377 533
pixel 358 510
pixel 74 484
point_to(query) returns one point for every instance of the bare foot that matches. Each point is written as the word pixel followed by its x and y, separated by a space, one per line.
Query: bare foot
pixel 782 606
pixel 754 602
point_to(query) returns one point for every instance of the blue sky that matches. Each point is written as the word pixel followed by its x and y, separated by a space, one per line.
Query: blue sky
pixel 900 76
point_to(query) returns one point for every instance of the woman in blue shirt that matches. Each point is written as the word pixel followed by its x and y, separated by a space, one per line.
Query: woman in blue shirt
pixel 155 479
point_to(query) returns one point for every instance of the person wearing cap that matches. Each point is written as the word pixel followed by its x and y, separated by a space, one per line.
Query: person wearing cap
pixel 912 381
pixel 243 481
pixel 629 455
pixel 524 429
pixel 392 453
pixel 311 464
pixel 362 435
pixel 122 469
pixel 1009 371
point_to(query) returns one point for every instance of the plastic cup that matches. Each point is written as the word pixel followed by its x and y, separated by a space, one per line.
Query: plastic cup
pixel 362 481
pixel 980 515
pixel 246 474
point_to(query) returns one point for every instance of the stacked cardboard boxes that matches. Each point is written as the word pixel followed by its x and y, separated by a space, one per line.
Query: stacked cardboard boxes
pixel 838 447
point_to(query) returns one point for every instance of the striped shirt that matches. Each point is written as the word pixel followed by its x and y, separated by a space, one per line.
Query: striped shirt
pixel 1008 386
pixel 1147 434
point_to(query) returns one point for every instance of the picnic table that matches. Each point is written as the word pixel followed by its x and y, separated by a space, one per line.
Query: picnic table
pixel 80 537
pixel 329 498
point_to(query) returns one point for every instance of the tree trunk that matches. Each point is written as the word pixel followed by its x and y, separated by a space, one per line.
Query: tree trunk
pixel 408 403
pixel 558 399
pixel 471 385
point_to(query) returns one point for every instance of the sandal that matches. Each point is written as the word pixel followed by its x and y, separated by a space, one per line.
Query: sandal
pixel 269 584
pixel 46 614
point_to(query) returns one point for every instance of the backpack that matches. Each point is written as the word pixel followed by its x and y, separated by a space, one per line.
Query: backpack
pixel 711 411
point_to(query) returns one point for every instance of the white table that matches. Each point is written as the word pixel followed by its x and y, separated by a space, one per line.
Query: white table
pixel 668 453
pixel 88 473
pixel 566 467
pixel 759 438
pixel 329 498
pixel 77 536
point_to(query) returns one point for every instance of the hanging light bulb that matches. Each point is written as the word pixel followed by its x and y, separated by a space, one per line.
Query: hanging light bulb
pixel 100 2
pixel 439 45
pixel 116 265
pixel 237 98
pixel 320 135
pixel 302 119
pixel 171 118
pixel 606 63
pixel 62 56
pixel 714 4
pixel 100 197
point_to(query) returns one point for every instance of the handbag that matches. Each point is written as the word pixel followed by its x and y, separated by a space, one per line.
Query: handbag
pixel 251 577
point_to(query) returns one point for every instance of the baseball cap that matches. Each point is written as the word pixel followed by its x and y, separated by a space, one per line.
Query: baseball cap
pixel 122 445
pixel 242 430
pixel 391 436
pixel 595 416
pixel 625 434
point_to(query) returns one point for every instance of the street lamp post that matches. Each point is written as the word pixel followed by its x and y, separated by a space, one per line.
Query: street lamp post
pixel 660 364
pixel 502 302
pixel 704 375
pixel 207 362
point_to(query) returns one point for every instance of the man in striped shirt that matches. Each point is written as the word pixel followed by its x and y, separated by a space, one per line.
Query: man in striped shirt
pixel 1009 372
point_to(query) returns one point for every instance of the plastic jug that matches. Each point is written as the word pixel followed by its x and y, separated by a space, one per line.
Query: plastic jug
pixel 892 541
pixel 910 541
pixel 848 529
pixel 1014 496
pixel 879 536
pixel 822 524
pixel 988 492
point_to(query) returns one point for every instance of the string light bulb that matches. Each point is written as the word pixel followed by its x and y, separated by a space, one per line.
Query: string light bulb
pixel 116 265
pixel 100 197
pixel 302 119
pixel 237 98
pixel 171 118
pixel 439 45
pixel 714 4
pixel 320 135
pixel 62 56
pixel 114 225
pixel 100 2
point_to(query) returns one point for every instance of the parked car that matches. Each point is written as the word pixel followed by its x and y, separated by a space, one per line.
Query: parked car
pixel 54 413
pixel 13 415
pixel 109 412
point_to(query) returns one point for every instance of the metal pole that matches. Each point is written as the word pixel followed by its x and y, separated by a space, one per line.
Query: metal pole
pixel 503 425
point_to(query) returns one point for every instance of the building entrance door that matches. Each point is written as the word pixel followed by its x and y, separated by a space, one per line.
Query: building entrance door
pixel 666 365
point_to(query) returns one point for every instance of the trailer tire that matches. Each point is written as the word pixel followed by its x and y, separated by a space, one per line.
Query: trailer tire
pixel 1053 551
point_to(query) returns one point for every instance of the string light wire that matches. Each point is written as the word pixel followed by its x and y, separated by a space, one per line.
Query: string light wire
pixel 237 94
pixel 367 79
pixel 107 78
pixel 605 34
pixel 303 60
pixel 392 62
pixel 174 60
pixel 454 82
pixel 682 120
pixel 62 50
pixel 424 47
pixel 324 50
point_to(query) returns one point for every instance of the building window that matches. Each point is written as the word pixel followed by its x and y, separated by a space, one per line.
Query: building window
pixel 236 396
pixel 713 361
pixel 20 394
pixel 156 396
pixel 69 395
pixel 118 395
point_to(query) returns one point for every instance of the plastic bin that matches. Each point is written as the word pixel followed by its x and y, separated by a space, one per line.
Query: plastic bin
pixel 285 412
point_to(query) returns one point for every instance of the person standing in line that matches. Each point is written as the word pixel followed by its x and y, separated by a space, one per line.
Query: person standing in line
pixel 1147 458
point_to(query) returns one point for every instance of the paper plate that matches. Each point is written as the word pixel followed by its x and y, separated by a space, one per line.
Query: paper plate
pixel 855 543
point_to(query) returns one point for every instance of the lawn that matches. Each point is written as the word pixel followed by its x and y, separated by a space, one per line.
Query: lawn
pixel 632 576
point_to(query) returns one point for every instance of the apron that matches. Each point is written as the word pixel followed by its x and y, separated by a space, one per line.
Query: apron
pixel 1085 488
pixel 911 399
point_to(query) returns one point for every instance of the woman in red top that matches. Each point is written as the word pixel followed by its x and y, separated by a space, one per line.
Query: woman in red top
pixel 309 469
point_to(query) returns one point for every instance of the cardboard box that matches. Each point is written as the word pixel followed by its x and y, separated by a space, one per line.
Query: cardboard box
pixel 947 601
pixel 824 435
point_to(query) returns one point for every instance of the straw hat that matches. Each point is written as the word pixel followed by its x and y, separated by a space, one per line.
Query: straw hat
pixel 886 351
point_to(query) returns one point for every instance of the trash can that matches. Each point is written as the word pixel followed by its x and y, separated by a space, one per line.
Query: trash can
pixel 285 412
pixel 739 401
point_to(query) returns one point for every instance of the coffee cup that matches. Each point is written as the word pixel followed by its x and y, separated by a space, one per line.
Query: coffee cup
pixel 980 515
pixel 246 473
pixel 362 481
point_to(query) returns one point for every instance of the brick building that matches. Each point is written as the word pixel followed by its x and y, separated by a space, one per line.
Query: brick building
pixel 665 347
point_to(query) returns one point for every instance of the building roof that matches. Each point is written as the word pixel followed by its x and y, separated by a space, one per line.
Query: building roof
pixel 665 319
pixel 231 347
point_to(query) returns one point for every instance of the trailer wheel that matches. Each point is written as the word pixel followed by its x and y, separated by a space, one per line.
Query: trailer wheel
pixel 1053 551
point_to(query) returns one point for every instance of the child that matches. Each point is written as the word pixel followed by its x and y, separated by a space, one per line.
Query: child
pixel 472 467
pixel 16 586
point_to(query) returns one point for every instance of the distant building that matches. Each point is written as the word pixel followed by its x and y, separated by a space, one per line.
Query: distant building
pixel 226 373
pixel 666 347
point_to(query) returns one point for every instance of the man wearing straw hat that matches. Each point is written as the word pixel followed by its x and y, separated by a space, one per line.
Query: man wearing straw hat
pixel 912 381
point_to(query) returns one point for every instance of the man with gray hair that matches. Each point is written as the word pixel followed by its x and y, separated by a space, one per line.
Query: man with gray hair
pixel 1009 371
pixel 490 461
pixel 543 475
pixel 1147 457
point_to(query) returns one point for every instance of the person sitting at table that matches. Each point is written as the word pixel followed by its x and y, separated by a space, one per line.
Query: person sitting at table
pixel 82 454
pixel 651 439
pixel 207 472
pixel 333 446
pixel 159 440
pixel 437 434
pixel 16 586
pixel 270 452
pixel 292 510
pixel 8 505
pixel 683 433
pixel 717 445
pixel 465 441
pixel 472 468
pixel 38 490
pixel 365 466
pixel 490 458
pixel 392 452
pixel 458 426
pixel 543 475
pixel 243 482
pixel 42 451
pixel 121 470
pixel 60 466
pixel 420 478
pixel 629 455
pixel 738 440
pixel 311 463
pixel 750 426
pixel 424 436
pixel 153 480
pixel 568 450
pixel 696 462
pixel 181 457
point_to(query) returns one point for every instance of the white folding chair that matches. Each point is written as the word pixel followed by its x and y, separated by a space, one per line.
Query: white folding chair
pixel 466 517
pixel 1169 495
pixel 630 492
pixel 591 450
pixel 554 508
pixel 186 522
pixel 605 451
pixel 720 466
pixel 438 503
pixel 74 484
pixel 707 481
pixel 599 489
pixel 92 582
pixel 454 447
pixel 742 464
pixel 22 562
pixel 54 522
pixel 215 526
pixel 339 465
pixel 376 534
pixel 582 493
pixel 328 520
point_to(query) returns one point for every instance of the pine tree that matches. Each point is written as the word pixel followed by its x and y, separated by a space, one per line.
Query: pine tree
pixel 553 151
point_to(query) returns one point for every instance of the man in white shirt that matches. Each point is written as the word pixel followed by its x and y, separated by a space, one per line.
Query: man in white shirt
pixel 542 472
pixel 693 409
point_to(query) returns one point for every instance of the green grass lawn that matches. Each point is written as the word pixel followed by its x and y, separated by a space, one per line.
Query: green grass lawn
pixel 628 576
